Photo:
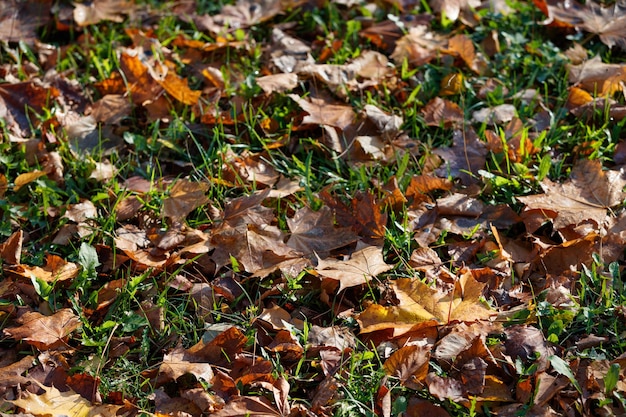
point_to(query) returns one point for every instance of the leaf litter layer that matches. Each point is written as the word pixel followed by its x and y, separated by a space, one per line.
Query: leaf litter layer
pixel 291 208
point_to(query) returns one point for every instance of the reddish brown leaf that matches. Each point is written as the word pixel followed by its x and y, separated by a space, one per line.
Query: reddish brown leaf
pixel 410 365
pixel 442 112
pixel 184 197
pixel 313 232
pixel 44 332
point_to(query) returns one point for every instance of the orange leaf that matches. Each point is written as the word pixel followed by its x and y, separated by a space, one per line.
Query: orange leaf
pixel 179 89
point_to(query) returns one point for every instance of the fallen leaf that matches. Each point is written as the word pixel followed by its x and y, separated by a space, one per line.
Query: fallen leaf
pixel 56 403
pixel 27 178
pixel 465 157
pixel 19 20
pixel 44 332
pixel 587 195
pixel 184 197
pixel 363 266
pixel 442 112
pixel 179 89
pixel 323 113
pixel 417 302
pixel 313 232
pixel 609 22
pixel 597 78
pixel 410 364
pixel 277 83
pixel 98 10
pixel 248 406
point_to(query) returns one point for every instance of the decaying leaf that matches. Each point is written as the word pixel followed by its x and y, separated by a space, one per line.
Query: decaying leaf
pixel 609 22
pixel 417 302
pixel 44 332
pixel 68 403
pixel 587 195
pixel 362 267
pixel 314 232
pixel 184 197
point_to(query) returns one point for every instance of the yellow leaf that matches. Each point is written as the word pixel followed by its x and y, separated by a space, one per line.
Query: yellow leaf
pixel 419 303
pixel 27 178
pixel 55 403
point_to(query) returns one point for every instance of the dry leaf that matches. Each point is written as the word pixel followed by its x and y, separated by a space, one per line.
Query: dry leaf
pixel 587 195
pixel 55 403
pixel 609 22
pixel 184 197
pixel 362 267
pixel 98 10
pixel 44 332
pixel 313 232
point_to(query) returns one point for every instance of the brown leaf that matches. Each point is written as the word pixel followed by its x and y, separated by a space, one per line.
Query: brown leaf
pixel 596 78
pixel 418 47
pixel 587 195
pixel 362 267
pixel 44 332
pixel 313 232
pixel 12 375
pixel 179 362
pixel 184 197
pixel 55 269
pixel 526 343
pixel 608 22
pixel 98 10
pixel 410 365
pixel 248 406
pixel 11 249
pixel 219 350
pixel 22 103
pixel 464 47
pixel 19 20
pixel 442 112
pixel 323 113
pixel 466 156
pixel 279 83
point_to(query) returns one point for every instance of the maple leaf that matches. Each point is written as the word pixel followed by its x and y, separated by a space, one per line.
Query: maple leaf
pixel 44 332
pixel 587 195
pixel 467 155
pixel 596 77
pixel 420 303
pixel 12 375
pixel 19 20
pixel 409 364
pixel 607 22
pixel 363 266
pixel 184 197
pixel 323 113
pixel 98 10
pixel 55 403
pixel 314 232
pixel 243 406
